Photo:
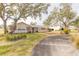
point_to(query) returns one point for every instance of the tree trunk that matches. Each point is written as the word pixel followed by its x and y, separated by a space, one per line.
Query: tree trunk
pixel 5 27
pixel 15 22
pixel 13 27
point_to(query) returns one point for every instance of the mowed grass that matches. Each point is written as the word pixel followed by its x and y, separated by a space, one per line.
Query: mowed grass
pixel 22 47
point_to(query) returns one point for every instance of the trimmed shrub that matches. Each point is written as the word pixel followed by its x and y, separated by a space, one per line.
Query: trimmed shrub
pixel 66 31
pixel 14 37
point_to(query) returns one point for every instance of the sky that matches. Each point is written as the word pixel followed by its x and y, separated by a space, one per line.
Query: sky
pixel 75 7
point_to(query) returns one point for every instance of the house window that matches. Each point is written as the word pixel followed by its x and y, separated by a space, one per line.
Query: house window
pixel 21 29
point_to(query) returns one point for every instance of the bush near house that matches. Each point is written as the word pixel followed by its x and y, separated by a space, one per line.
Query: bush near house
pixel 66 31
pixel 22 47
pixel 13 37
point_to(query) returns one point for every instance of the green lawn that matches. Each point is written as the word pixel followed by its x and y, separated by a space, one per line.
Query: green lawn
pixel 22 47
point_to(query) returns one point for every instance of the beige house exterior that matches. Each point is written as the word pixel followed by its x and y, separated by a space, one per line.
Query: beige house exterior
pixel 42 29
pixel 22 27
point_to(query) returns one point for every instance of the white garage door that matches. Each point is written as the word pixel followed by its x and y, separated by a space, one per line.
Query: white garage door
pixel 20 31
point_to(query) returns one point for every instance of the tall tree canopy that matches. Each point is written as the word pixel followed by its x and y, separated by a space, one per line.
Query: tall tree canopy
pixel 4 14
pixel 67 14
pixel 24 10
pixel 16 11
pixel 64 14
pixel 52 18
pixel 76 22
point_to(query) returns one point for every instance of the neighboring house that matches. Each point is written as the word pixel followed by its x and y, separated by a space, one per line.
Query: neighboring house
pixel 55 28
pixel 72 27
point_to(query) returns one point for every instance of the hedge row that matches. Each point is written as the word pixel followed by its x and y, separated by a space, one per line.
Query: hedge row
pixel 14 37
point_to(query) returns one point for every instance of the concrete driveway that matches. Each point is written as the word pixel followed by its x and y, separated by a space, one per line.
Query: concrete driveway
pixel 58 45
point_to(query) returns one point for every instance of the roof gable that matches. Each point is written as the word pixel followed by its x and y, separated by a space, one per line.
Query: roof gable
pixel 23 23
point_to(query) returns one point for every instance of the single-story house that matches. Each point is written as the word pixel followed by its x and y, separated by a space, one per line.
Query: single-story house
pixel 22 27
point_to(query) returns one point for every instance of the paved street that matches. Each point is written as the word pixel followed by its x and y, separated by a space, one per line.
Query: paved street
pixel 58 45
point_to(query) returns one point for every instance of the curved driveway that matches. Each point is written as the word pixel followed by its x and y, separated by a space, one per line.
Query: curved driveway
pixel 58 45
